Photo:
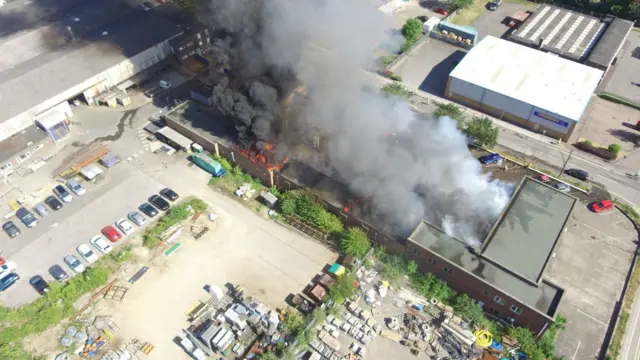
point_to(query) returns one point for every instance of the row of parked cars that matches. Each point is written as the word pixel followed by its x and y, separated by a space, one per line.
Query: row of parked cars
pixel 100 245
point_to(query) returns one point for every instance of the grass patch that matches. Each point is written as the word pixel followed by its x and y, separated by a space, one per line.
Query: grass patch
pixel 636 29
pixel 48 310
pixel 628 209
pixel 235 177
pixel 619 100
pixel 397 89
pixel 521 2
pixel 618 335
pixel 388 59
pixel 122 255
pixel 151 238
pixel 468 15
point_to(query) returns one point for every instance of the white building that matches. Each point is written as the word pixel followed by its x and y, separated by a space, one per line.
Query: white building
pixel 80 53
pixel 533 89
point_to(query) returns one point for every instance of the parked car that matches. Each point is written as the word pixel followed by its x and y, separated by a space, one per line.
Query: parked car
pixel 8 280
pixel 7 268
pixel 85 251
pixel 493 5
pixel 602 206
pixel 125 226
pixel 441 11
pixel 111 233
pixel 26 217
pixel 148 210
pixel 75 186
pixel 40 209
pixel 169 194
pixel 137 218
pixel 101 244
pixel 58 273
pixel 562 187
pixel 165 84
pixel 62 193
pixel 578 174
pixel 11 229
pixel 159 202
pixel 40 284
pixel 53 203
pixel 490 159
pixel 74 264
pixel 543 178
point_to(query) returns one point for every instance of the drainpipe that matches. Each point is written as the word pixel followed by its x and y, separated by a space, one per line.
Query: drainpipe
pixel 542 331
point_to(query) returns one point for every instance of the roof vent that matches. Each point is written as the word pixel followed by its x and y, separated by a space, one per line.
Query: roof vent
pixel 105 33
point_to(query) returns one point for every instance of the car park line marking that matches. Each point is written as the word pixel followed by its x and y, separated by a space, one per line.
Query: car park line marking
pixel 576 352
pixel 591 317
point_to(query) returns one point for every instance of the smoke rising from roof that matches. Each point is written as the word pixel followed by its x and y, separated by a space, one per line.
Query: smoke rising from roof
pixel 423 171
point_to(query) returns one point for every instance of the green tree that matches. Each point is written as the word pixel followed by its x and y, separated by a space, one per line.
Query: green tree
pixel 269 356
pixel 342 289
pixel 527 342
pixel 459 4
pixel 615 148
pixel 430 286
pixel 412 29
pixel 354 241
pixel 393 266
pixel 482 131
pixel 396 89
pixel 468 308
pixel 451 110
pixel 294 322
pixel 412 268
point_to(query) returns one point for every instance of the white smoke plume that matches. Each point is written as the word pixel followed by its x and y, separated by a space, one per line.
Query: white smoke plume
pixel 408 168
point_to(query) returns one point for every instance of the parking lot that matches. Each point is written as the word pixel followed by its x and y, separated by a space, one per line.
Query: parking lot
pixel 495 23
pixel 623 79
pixel 591 262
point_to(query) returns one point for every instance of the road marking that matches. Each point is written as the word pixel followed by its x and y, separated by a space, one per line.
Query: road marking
pixel 633 330
pixel 591 317
pixel 576 352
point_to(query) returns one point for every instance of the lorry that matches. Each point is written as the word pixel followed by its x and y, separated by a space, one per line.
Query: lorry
pixel 209 165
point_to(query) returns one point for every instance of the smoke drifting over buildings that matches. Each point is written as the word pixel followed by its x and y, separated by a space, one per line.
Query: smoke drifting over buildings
pixel 422 171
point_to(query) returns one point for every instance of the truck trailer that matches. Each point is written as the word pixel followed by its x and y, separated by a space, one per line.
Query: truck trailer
pixel 209 165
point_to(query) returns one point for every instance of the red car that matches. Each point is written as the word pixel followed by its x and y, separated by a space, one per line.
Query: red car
pixel 111 233
pixel 602 206
pixel 441 11
pixel 543 178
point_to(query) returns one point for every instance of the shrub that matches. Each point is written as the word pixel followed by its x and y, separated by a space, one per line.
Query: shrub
pixel 588 142
pixel 304 205
pixel 395 77
pixel 151 237
pixel 342 289
pixel 482 131
pixel 451 110
pixel 615 148
pixel 396 89
pixel 198 205
pixel 224 162
pixel 354 241
pixel 412 29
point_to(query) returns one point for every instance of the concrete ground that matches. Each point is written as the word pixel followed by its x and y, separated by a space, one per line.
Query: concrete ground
pixel 428 66
pixel 266 259
pixel 608 123
pixel 495 23
pixel 415 8
pixel 591 262
pixel 625 71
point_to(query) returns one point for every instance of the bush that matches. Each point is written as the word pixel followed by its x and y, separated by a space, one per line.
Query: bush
pixel 482 131
pixel 615 148
pixel 387 60
pixel 412 29
pixel 224 162
pixel 451 110
pixel 342 289
pixel 430 286
pixel 396 89
pixel 294 322
pixel 354 241
pixel 302 204
pixel 395 77
pixel 588 142
pixel 151 237
pixel 198 205
pixel 619 100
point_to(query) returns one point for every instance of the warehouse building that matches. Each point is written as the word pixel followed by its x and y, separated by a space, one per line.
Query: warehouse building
pixel 506 274
pixel 78 53
pixel 594 41
pixel 530 88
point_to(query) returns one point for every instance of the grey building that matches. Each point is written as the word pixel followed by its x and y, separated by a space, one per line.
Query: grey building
pixel 80 52
pixel 193 41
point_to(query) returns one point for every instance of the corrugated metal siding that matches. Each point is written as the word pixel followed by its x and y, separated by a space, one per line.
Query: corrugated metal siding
pixel 509 105
pixel 550 120
pixel 468 90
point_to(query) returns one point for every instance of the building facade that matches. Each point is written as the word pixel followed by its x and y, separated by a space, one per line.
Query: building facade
pixel 190 43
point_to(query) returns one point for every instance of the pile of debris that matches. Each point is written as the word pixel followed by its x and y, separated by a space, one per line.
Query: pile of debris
pixel 245 191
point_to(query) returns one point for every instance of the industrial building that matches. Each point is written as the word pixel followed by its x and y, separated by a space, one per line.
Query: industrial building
pixel 506 274
pixel 593 40
pixel 533 89
pixel 79 51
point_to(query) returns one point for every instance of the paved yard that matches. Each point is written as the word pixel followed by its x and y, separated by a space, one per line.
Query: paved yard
pixel 607 123
pixel 428 66
pixel 591 262
pixel 624 74
pixel 495 23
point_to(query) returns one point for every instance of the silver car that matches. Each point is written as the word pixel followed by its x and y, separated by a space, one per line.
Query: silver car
pixel 75 186
pixel 563 187
pixel 40 209
pixel 137 218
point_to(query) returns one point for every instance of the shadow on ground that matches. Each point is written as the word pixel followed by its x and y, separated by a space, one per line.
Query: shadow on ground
pixel 436 81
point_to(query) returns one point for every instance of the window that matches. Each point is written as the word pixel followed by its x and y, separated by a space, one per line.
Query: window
pixel 447 270
pixel 486 292
pixel 499 300
pixel 431 261
pixel 516 309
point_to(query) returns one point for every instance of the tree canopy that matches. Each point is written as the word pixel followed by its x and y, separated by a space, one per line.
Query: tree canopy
pixel 355 242
pixel 342 289
pixel 451 110
pixel 412 29
pixel 482 131
pixel 459 4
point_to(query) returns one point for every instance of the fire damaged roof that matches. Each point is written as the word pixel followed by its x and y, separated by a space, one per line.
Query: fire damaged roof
pixel 514 256
pixel 206 122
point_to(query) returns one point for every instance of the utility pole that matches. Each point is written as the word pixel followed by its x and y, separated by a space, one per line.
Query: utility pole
pixel 565 163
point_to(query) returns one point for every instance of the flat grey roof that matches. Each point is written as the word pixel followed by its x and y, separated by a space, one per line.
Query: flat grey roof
pixel 526 233
pixel 206 122
pixel 614 36
pixel 564 32
pixel 40 63
pixel 543 297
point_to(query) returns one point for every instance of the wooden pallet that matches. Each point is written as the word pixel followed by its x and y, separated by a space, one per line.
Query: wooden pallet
pixel 116 293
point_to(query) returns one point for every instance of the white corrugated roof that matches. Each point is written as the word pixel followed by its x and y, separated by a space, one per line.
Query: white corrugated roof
pixel 541 79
